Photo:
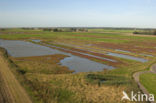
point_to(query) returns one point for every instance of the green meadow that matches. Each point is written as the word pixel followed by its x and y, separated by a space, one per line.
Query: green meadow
pixel 149 81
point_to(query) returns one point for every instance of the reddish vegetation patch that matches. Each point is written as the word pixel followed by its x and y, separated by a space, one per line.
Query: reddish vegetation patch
pixel 132 47
pixel 145 43
pixel 51 59
pixel 96 54
pixel 48 58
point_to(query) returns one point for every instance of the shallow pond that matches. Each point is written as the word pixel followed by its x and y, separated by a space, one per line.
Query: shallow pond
pixel 25 49
pixel 83 65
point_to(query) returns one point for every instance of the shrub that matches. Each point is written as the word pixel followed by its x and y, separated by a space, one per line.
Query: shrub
pixel 55 30
pixel 135 32
pixel 21 71
pixel 47 29
pixel 108 79
pixel 2 29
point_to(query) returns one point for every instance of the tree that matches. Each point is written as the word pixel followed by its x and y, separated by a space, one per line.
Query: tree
pixel 47 29
pixel 55 30
pixel 154 32
pixel 73 29
pixel 82 30
pixel 2 29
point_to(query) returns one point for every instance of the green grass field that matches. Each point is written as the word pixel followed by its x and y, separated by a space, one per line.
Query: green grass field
pixel 149 81
pixel 111 30
pixel 103 37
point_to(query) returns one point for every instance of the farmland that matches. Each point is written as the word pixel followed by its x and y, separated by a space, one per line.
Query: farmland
pixel 45 80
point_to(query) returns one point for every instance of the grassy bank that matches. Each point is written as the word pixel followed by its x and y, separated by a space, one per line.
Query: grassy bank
pixel 10 89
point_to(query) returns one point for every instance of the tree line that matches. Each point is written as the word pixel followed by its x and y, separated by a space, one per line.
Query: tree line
pixel 146 32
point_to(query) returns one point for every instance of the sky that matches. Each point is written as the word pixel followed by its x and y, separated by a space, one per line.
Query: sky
pixel 78 13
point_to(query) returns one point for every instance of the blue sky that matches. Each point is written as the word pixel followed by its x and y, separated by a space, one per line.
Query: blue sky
pixel 78 13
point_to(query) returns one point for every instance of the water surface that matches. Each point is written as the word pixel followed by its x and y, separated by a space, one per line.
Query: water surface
pixel 122 50
pixel 148 55
pixel 127 57
pixel 36 40
pixel 24 49
pixel 18 48
pixel 83 64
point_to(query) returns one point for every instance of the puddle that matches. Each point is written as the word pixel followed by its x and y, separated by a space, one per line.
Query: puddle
pixel 127 57
pixel 25 49
pixel 148 55
pixel 102 81
pixel 122 50
pixel 36 40
pixel 83 65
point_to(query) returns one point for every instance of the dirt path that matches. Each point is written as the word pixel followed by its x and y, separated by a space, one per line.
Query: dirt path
pixel 137 75
pixel 12 90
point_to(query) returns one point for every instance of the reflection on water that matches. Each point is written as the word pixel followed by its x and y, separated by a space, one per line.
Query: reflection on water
pixel 83 65
pixel 24 49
